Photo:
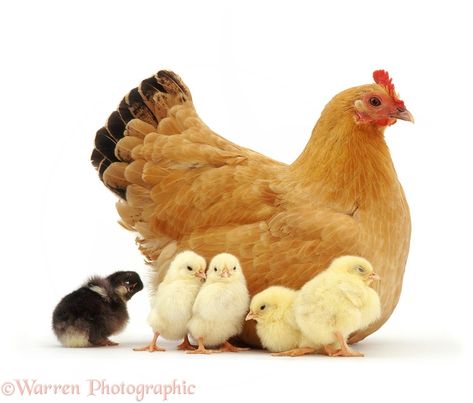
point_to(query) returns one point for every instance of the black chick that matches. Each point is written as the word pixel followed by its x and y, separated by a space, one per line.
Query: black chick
pixel 89 315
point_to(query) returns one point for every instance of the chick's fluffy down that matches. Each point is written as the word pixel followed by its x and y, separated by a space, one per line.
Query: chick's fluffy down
pixel 276 323
pixel 221 304
pixel 172 305
pixel 335 302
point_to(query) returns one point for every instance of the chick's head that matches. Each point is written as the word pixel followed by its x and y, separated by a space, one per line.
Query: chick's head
pixel 125 283
pixel 225 267
pixel 271 304
pixel 355 266
pixel 187 265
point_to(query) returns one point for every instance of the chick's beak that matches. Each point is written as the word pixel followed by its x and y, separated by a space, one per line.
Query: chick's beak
pixel 250 316
pixel 225 273
pixel 403 114
pixel 201 274
pixel 374 276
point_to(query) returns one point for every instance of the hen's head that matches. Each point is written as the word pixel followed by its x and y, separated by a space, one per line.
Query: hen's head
pixel 378 103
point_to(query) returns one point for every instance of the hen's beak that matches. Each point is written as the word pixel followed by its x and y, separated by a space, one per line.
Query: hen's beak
pixel 250 316
pixel 201 274
pixel 374 276
pixel 225 273
pixel 403 114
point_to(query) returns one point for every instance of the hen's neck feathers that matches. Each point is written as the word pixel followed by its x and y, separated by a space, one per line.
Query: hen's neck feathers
pixel 345 162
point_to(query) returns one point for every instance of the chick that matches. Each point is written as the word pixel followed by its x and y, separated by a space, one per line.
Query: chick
pixel 171 307
pixel 95 311
pixel 220 306
pixel 276 326
pixel 334 304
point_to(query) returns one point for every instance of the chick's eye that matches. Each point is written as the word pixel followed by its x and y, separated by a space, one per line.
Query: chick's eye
pixel 127 282
pixel 215 269
pixel 262 307
pixel 234 268
pixel 375 101
pixel 360 269
pixel 189 268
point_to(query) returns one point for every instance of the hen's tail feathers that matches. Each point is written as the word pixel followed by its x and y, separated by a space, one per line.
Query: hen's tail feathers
pixel 149 103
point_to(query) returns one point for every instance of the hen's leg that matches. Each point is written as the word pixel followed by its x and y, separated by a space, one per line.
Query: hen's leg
pixel 186 344
pixel 201 348
pixel 152 346
pixel 344 351
pixel 296 352
pixel 228 347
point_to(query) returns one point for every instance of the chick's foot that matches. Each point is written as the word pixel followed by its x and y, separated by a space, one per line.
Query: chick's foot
pixel 296 352
pixel 104 343
pixel 151 347
pixel 201 349
pixel 344 350
pixel 330 351
pixel 228 347
pixel 186 345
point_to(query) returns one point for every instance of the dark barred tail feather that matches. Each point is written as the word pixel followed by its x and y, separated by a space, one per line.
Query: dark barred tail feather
pixel 149 103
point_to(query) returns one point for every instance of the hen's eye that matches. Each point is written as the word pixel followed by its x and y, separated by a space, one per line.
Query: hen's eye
pixel 215 269
pixel 262 307
pixel 375 101
pixel 189 268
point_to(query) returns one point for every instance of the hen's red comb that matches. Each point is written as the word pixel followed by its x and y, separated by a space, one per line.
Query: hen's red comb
pixel 381 77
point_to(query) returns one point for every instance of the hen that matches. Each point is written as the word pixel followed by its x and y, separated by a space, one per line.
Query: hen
pixel 182 186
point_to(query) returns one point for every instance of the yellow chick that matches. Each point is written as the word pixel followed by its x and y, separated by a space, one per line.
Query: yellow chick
pixel 276 326
pixel 171 308
pixel 220 306
pixel 334 304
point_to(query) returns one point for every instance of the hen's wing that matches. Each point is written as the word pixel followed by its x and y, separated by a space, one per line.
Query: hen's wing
pixel 174 175
pixel 184 187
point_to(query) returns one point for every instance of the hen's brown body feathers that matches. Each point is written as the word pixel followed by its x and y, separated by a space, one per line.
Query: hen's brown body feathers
pixel 184 187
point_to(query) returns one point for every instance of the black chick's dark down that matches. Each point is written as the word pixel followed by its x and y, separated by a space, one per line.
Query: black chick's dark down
pixel 91 314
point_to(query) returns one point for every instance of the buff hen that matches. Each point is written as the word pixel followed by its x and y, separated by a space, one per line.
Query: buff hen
pixel 182 186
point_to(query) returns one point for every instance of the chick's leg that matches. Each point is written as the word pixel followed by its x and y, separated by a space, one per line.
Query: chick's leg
pixel 201 348
pixel 104 343
pixel 228 347
pixel 344 351
pixel 186 344
pixel 330 351
pixel 152 346
pixel 296 352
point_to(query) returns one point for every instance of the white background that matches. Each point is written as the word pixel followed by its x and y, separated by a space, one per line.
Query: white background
pixel 66 65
